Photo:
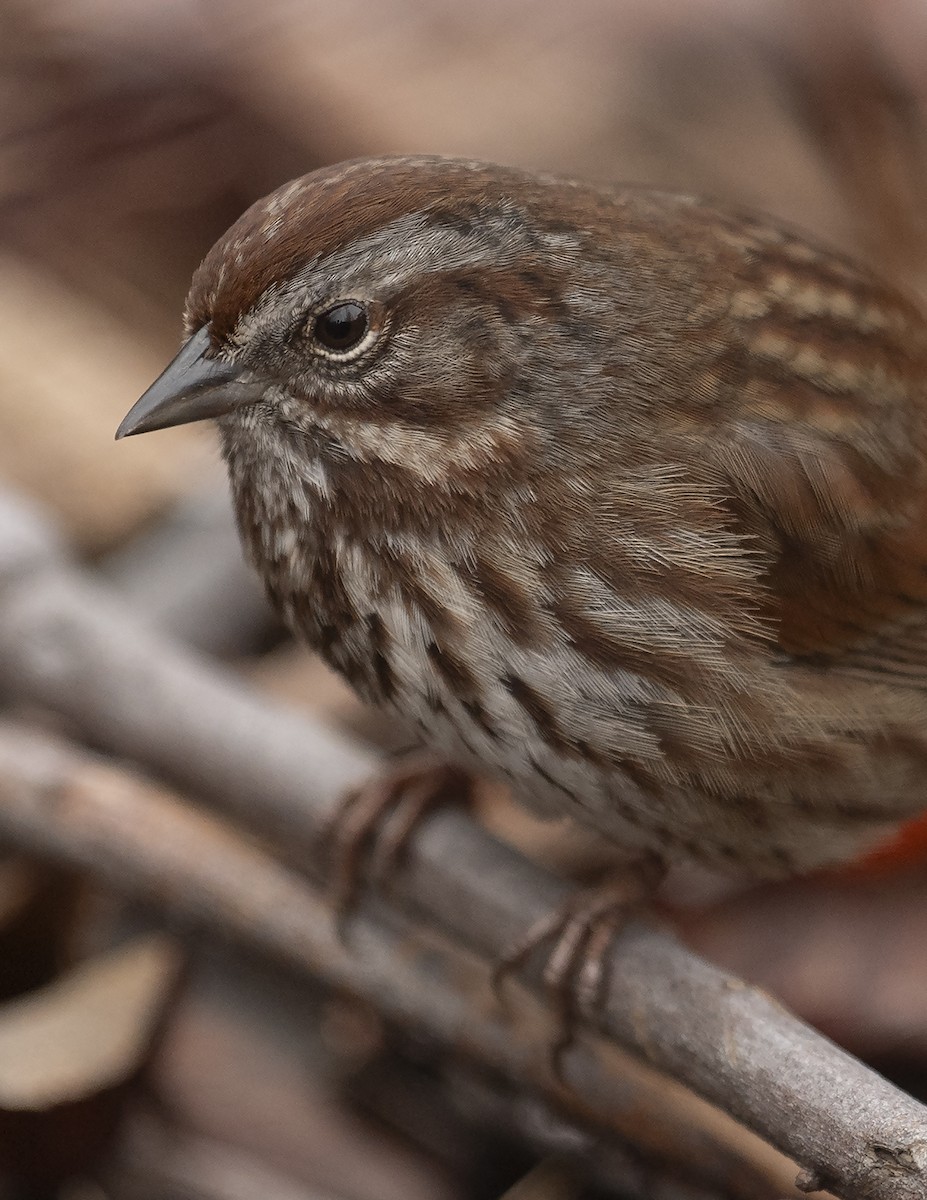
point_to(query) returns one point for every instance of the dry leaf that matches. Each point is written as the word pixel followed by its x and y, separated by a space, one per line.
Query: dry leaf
pixel 89 1030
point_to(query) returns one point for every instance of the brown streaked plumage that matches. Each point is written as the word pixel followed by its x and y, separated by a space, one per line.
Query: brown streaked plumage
pixel 619 494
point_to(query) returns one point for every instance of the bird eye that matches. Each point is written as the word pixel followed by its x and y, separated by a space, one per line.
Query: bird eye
pixel 341 328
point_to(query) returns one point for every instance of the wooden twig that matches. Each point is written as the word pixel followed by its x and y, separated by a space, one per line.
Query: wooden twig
pixel 77 810
pixel 66 644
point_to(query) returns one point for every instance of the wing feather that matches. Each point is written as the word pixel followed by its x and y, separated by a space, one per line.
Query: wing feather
pixel 823 460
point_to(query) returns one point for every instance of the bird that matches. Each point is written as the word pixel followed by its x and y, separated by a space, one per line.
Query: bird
pixel 616 494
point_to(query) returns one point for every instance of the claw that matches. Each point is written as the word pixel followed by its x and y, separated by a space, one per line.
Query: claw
pixel 582 931
pixel 373 825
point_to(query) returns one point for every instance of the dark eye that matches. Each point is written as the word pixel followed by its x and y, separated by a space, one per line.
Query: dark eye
pixel 341 328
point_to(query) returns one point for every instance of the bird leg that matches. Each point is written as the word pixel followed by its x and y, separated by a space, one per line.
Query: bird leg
pixel 580 933
pixel 374 823
pixel 372 828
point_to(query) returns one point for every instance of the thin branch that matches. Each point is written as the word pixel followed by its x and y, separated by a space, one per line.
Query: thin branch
pixel 74 808
pixel 66 644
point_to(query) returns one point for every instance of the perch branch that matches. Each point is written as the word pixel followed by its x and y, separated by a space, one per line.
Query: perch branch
pixel 79 811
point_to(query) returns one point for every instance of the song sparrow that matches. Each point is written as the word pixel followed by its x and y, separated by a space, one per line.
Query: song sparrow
pixel 618 494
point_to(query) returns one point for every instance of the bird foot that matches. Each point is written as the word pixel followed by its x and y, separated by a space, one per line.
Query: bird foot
pixel 580 933
pixel 373 824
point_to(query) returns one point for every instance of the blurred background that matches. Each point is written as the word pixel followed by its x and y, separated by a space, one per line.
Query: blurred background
pixel 132 133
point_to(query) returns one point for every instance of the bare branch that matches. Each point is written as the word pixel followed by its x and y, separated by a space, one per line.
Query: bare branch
pixel 75 809
pixel 66 644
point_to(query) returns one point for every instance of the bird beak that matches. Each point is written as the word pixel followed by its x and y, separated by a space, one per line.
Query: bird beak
pixel 192 388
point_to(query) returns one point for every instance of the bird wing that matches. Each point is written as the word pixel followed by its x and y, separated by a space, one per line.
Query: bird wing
pixel 823 458
pixel 847 544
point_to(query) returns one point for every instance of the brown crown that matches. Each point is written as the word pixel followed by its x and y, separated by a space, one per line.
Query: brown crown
pixel 321 212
